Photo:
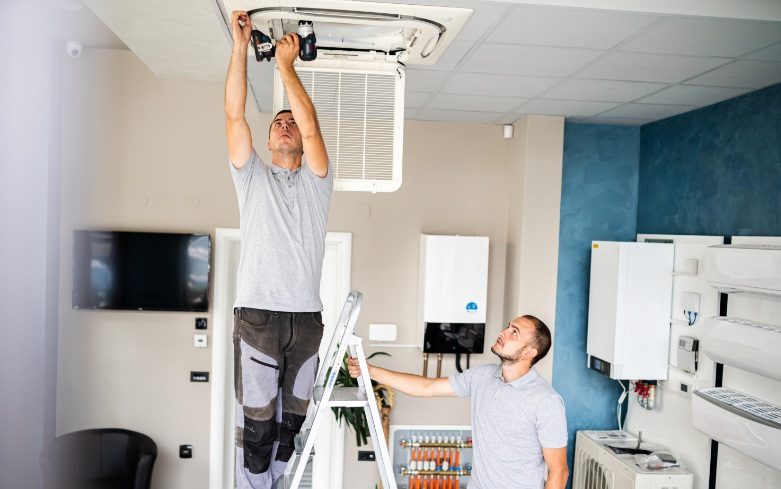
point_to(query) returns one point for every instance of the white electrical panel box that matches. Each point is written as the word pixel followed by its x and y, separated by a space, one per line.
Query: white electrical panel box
pixel 453 282
pixel 630 302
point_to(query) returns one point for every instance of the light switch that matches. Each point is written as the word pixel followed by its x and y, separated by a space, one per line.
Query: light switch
pixel 201 341
pixel 382 332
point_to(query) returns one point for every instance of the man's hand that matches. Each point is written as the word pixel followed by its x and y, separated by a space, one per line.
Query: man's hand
pixel 241 28
pixel 287 50
pixel 354 368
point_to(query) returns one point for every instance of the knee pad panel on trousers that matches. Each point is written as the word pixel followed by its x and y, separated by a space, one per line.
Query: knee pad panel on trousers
pixel 288 429
pixel 258 441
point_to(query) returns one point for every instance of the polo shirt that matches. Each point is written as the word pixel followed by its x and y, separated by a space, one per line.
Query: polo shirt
pixel 511 423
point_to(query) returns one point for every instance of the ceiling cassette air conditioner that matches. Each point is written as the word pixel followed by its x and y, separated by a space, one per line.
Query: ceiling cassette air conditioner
pixel 357 80
pixel 411 34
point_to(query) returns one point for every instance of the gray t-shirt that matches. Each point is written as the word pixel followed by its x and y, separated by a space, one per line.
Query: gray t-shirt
pixel 283 217
pixel 511 423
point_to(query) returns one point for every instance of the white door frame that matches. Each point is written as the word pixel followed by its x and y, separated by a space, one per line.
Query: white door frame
pixel 221 439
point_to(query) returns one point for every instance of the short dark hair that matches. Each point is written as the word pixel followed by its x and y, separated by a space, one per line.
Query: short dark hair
pixel 542 338
pixel 275 118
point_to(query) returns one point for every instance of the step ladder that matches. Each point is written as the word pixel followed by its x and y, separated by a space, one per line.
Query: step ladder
pixel 327 396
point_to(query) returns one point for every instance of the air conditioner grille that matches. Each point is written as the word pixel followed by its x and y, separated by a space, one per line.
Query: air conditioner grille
pixel 360 126
pixel 591 473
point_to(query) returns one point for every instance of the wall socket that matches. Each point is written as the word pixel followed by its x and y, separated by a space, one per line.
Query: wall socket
pixel 366 456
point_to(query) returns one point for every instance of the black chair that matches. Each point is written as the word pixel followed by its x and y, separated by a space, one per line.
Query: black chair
pixel 106 458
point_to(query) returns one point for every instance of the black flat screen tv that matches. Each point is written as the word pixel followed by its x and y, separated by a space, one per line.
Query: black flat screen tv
pixel 141 271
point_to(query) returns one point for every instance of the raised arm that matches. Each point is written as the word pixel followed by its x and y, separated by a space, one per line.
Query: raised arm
pixel 301 106
pixel 414 385
pixel 239 135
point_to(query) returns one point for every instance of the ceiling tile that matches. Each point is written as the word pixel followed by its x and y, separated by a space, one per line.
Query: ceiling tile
pixel 481 103
pixel 424 80
pixel 452 55
pixel 705 37
pixel 566 108
pixel 647 111
pixel 614 121
pixel 770 53
pixel 602 90
pixel 482 18
pixel 414 100
pixel 692 95
pixel 649 67
pixel 527 60
pixel 504 85
pixel 511 118
pixel 742 73
pixel 456 116
pixel 565 27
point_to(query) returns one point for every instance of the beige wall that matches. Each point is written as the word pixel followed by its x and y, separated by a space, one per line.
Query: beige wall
pixel 141 153
pixel 533 223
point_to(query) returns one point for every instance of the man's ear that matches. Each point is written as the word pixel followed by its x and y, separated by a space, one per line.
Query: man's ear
pixel 268 144
pixel 529 353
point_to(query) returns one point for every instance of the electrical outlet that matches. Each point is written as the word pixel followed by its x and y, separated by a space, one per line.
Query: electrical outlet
pixel 366 456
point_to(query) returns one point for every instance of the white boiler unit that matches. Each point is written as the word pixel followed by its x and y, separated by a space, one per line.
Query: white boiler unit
pixel 453 282
pixel 629 309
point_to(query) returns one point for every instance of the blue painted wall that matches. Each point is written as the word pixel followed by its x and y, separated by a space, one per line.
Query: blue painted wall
pixel 598 202
pixel 714 171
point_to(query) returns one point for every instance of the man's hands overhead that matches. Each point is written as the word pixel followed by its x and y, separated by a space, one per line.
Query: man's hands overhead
pixel 241 28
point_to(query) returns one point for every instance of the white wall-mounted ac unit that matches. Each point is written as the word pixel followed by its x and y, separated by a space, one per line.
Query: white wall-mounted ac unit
pixel 357 81
pixel 748 345
pixel 599 467
pixel 754 269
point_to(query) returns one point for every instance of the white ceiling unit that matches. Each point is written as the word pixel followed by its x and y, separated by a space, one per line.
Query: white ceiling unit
pixel 357 81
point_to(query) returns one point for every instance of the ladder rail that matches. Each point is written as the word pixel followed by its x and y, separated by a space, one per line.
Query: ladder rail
pixel 342 340
pixel 373 416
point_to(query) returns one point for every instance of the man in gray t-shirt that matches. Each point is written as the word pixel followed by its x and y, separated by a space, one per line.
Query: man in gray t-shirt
pixel 283 209
pixel 518 421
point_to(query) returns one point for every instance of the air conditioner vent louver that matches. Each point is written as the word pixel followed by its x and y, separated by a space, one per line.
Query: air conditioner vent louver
pixel 361 117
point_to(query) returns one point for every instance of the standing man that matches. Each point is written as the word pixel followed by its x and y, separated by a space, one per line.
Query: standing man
pixel 518 422
pixel 283 208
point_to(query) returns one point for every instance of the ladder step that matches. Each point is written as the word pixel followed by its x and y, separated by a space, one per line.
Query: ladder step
pixel 348 397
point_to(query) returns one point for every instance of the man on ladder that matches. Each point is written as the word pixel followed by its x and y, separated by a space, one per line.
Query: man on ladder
pixel 283 208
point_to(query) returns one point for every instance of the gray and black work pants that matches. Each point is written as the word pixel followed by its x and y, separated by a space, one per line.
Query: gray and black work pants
pixel 275 364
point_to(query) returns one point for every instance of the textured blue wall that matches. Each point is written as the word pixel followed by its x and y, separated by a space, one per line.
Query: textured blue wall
pixel 598 202
pixel 714 171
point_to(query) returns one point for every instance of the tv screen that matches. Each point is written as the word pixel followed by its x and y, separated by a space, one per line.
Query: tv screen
pixel 140 271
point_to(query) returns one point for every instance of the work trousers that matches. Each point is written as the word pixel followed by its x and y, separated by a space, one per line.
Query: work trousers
pixel 275 364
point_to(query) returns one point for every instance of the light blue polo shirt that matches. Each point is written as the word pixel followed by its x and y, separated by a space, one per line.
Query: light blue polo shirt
pixel 511 423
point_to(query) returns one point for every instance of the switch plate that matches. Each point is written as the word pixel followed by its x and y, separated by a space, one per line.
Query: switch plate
pixel 382 332
pixel 185 451
pixel 199 376
pixel 201 341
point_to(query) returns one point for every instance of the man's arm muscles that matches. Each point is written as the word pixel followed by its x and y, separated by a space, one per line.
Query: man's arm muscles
pixel 238 131
pixel 556 460
pixel 301 106
pixel 413 385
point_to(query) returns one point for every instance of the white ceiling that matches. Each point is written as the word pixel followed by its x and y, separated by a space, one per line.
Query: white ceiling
pixel 513 58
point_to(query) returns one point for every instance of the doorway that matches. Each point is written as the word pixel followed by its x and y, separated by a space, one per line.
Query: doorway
pixel 327 466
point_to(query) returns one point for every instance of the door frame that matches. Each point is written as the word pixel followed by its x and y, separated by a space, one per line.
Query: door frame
pixel 221 453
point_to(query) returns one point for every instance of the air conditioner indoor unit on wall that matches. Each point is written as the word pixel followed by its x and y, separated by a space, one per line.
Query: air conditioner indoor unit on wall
pixel 753 269
pixel 598 466
pixel 357 81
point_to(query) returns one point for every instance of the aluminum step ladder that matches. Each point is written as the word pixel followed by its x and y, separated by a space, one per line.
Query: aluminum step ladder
pixel 327 396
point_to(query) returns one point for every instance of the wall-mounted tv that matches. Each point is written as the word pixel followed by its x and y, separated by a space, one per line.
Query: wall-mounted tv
pixel 141 271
